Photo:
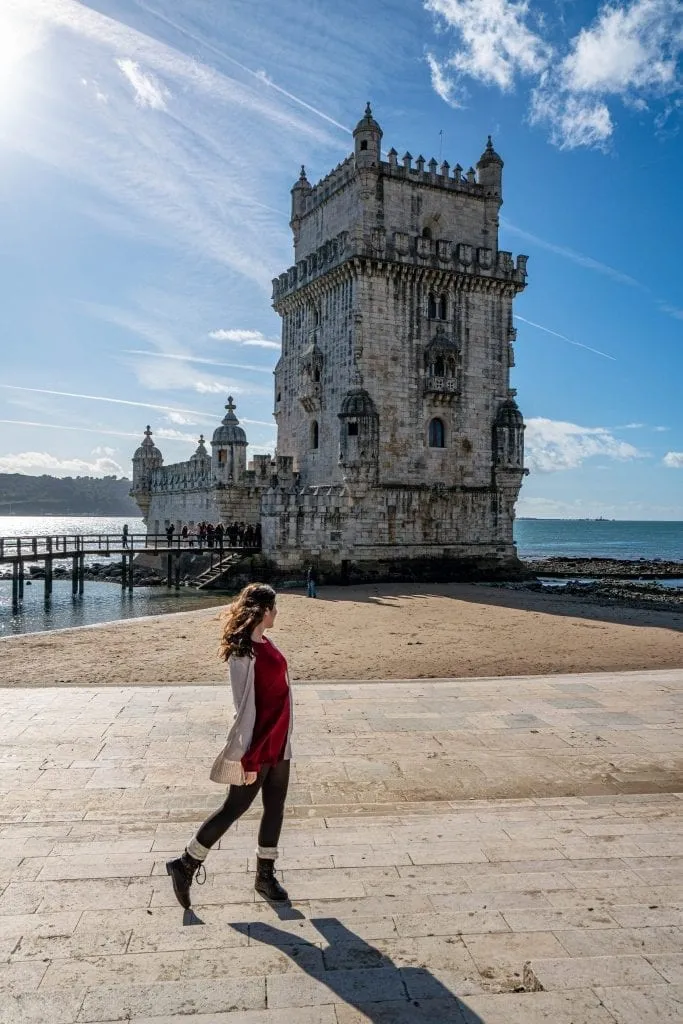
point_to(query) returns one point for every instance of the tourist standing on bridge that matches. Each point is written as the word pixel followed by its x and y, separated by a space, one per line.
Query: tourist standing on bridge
pixel 170 530
pixel 218 534
pixel 124 536
pixel 258 750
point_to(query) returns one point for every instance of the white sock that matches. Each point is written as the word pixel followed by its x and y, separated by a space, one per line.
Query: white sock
pixel 267 852
pixel 196 850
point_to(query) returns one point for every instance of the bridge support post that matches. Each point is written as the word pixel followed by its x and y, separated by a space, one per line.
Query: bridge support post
pixel 169 570
pixel 21 580
pixel 124 564
pixel 130 573
pixel 81 574
pixel 15 586
pixel 48 579
pixel 74 575
pixel 177 571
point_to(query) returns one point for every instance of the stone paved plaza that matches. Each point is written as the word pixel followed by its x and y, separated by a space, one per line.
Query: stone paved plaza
pixel 495 851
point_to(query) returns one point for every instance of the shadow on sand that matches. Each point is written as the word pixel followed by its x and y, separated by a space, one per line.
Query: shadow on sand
pixel 360 975
pixel 392 595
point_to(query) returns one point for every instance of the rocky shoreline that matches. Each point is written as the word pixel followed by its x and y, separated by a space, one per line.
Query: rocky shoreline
pixel 608 581
pixel 97 572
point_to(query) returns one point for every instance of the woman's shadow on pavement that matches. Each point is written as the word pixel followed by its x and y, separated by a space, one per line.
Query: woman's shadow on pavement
pixel 362 976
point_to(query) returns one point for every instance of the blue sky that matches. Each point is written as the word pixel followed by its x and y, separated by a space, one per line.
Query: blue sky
pixel 147 149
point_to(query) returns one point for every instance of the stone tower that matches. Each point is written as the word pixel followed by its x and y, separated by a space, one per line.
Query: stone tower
pixel 398 434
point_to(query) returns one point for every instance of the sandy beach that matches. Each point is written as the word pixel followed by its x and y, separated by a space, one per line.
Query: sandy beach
pixel 384 631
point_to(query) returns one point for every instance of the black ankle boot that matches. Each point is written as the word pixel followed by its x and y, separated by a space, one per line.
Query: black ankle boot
pixel 267 884
pixel 182 870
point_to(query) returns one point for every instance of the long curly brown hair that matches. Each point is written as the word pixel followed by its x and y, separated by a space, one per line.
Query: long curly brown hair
pixel 241 618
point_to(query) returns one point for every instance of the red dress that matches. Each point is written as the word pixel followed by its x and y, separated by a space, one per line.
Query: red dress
pixel 271 693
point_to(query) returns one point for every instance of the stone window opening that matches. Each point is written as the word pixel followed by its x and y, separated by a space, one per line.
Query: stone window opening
pixel 443 308
pixel 431 306
pixel 315 435
pixel 364 144
pixel 221 455
pixel 427 233
pixel 437 433
pixel 353 430
pixel 316 374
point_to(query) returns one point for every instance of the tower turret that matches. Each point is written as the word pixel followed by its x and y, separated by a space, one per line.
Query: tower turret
pixel 367 136
pixel 490 170
pixel 146 459
pixel 300 190
pixel 229 449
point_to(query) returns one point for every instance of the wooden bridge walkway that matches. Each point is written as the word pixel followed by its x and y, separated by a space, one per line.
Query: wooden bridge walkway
pixel 22 551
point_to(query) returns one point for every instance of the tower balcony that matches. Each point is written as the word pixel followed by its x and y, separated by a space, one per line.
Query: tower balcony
pixel 441 389
pixel 310 393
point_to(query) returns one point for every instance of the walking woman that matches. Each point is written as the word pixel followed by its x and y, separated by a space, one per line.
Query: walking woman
pixel 258 750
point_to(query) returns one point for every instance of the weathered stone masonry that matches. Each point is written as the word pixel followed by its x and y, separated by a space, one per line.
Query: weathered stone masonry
pixel 400 445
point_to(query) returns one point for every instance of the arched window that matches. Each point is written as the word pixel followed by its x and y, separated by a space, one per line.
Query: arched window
pixel 427 233
pixel 439 368
pixel 316 374
pixel 314 434
pixel 431 306
pixel 437 434
pixel 364 144
pixel 443 308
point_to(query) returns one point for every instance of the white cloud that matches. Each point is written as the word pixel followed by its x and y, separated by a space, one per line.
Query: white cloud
pixel 38 463
pixel 553 445
pixel 573 120
pixel 627 48
pixel 247 338
pixel 169 434
pixel 495 40
pixel 443 84
pixel 149 91
pixel 630 51
pixel 104 451
pixel 181 419
pixel 674 460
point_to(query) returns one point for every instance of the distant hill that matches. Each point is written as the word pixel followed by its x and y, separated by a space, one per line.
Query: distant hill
pixel 65 496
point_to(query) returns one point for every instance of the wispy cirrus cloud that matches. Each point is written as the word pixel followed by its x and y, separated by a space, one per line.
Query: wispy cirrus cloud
pixel 252 339
pixel 181 358
pixel 148 90
pixel 101 398
pixel 628 52
pixel 178 172
pixel 554 445
pixel 598 266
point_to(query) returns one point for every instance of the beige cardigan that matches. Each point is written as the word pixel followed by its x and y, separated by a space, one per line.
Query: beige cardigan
pixel 227 768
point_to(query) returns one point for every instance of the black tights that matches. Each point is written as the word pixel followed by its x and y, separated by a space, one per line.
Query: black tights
pixel 273 781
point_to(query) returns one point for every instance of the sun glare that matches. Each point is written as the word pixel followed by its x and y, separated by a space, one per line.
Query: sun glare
pixel 20 35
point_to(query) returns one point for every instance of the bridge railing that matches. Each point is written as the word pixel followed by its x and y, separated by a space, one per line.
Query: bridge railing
pixel 104 544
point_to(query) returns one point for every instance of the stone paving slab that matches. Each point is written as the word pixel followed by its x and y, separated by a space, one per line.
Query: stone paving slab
pixel 421 893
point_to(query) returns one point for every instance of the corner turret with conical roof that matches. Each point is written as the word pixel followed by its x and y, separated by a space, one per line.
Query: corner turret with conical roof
pixel 490 170
pixel 367 137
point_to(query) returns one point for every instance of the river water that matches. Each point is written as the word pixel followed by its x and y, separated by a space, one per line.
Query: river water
pixel 104 602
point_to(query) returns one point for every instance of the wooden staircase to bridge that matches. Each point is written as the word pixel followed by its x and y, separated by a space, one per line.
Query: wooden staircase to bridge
pixel 218 571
